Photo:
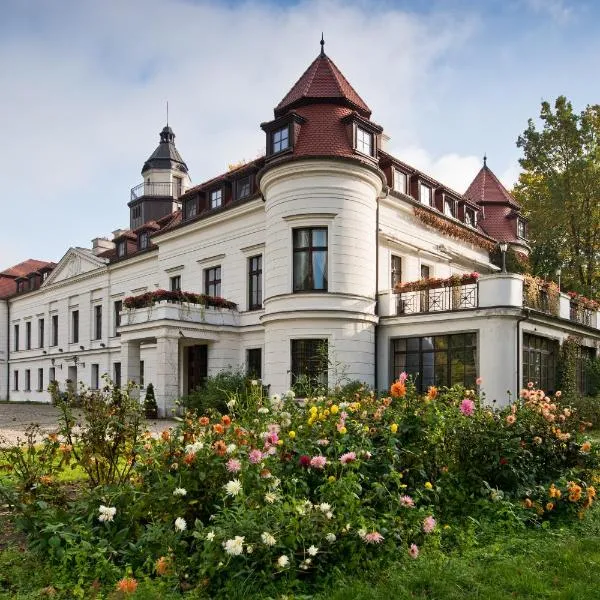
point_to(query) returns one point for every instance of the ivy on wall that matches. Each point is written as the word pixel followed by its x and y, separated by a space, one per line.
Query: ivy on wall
pixel 567 366
pixel 452 230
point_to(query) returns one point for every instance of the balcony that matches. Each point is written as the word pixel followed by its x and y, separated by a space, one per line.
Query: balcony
pixel 501 290
pixel 456 297
pixel 157 189
pixel 166 311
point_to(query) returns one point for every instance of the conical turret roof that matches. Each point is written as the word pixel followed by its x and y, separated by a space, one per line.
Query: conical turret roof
pixel 323 82
pixel 166 155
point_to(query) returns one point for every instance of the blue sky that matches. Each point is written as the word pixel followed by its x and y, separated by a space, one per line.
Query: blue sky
pixel 83 87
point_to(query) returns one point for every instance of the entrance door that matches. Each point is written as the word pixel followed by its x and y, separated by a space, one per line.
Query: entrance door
pixel 197 366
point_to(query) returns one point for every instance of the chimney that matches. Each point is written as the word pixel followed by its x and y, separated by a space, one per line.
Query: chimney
pixel 101 244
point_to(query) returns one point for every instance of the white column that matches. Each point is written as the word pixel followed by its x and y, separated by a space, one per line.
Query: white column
pixel 130 363
pixel 166 386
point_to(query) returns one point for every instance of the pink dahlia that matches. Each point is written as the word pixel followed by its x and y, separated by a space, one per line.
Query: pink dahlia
pixel 407 501
pixel 373 537
pixel 318 462
pixel 403 377
pixel 234 465
pixel 255 456
pixel 271 437
pixel 429 524
pixel 467 406
pixel 413 550
pixel 348 457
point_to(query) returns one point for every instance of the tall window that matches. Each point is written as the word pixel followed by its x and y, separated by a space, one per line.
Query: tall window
pixel 118 307
pixel 242 188
pixel 254 363
pixel 177 186
pixel 255 282
pixel 212 281
pixel 117 374
pixel 310 259
pixel 75 327
pixel 121 248
pixel 309 363
pixel 143 240
pixel 16 336
pixel 281 139
pixel 582 375
pixel 141 373
pixel 521 229
pixel 216 198
pixel 98 321
pixel 27 380
pixel 54 330
pixel 364 141
pixel 175 283
pixel 399 181
pixel 16 381
pixel 40 385
pixel 28 335
pixel 191 208
pixel 425 194
pixel 470 217
pixel 396 270
pixel 41 333
pixel 95 381
pixel 437 360
pixel 449 207
pixel 51 374
pixel 539 361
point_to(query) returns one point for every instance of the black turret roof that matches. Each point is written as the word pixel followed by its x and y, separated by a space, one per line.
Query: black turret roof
pixel 166 155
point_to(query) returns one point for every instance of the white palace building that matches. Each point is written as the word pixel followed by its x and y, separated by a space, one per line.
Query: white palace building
pixel 314 245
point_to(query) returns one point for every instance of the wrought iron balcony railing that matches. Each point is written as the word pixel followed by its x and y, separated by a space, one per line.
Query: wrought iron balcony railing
pixel 457 297
pixel 580 314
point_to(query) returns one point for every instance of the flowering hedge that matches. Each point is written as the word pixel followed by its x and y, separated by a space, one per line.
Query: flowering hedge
pixel 436 282
pixel 280 493
pixel 150 298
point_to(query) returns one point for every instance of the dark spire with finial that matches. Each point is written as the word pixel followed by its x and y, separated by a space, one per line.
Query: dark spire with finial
pixel 166 155
pixel 484 160
pixel 322 45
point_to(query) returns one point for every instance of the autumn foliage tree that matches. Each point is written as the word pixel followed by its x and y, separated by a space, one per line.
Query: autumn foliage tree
pixel 559 189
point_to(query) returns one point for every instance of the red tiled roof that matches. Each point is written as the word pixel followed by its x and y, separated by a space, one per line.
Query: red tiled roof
pixel 486 188
pixel 322 81
pixel 499 223
pixel 8 287
pixel 26 267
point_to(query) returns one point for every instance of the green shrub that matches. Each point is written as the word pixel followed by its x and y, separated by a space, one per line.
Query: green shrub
pixel 150 406
pixel 217 391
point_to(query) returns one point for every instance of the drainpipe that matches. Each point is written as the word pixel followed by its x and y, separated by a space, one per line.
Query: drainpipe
pixel 384 194
pixel 519 321
pixel 7 347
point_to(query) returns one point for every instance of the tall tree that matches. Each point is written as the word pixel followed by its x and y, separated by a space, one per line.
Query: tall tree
pixel 559 189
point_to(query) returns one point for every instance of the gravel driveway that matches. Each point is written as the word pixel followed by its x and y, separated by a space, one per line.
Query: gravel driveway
pixel 15 417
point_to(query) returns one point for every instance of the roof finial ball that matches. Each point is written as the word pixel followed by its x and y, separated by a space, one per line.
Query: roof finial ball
pixel 484 160
pixel 322 45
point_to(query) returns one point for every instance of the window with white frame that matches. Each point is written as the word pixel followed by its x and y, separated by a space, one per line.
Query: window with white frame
pixel 216 198
pixel 364 141
pixel 425 194
pixel 399 181
pixel 281 139
pixel 310 259
pixel 212 281
pixel 449 207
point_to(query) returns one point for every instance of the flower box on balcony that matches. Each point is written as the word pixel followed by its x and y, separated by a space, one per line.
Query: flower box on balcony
pixel 177 297
pixel 436 282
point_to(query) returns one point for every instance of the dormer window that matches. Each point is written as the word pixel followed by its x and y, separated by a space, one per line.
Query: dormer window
pixel 449 207
pixel 281 139
pixel 143 240
pixel 364 141
pixel 425 194
pixel 470 217
pixel 216 198
pixel 191 208
pixel 121 248
pixel 521 229
pixel 399 181
pixel 242 188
